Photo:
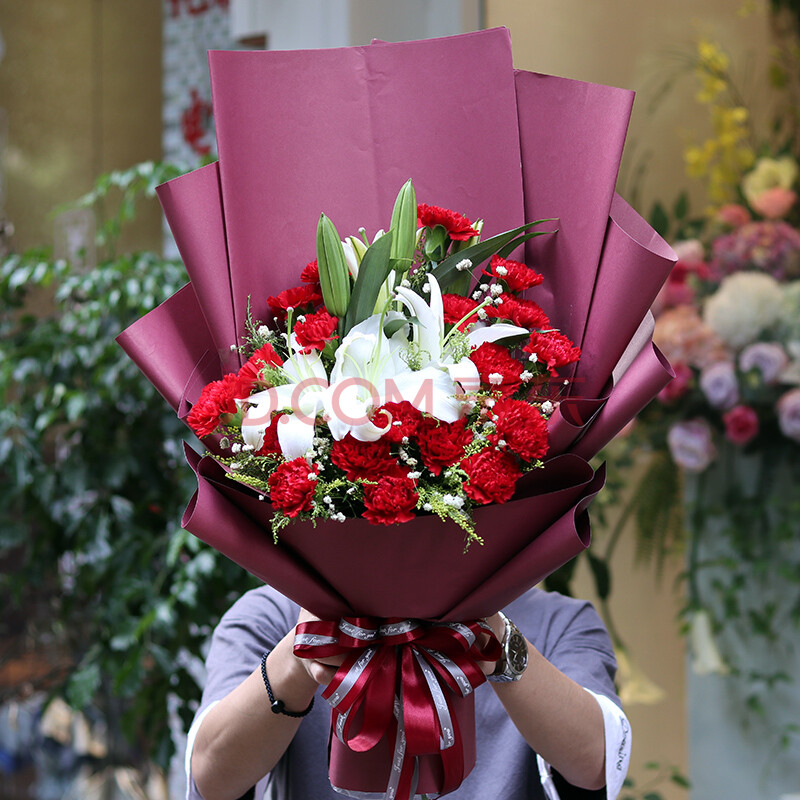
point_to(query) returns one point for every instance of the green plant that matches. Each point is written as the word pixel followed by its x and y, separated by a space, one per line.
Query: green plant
pixel 658 776
pixel 94 484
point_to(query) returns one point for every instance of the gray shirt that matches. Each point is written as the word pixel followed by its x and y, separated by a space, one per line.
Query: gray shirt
pixel 568 632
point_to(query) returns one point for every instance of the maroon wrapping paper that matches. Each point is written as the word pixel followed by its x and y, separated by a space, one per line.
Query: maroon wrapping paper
pixel 340 131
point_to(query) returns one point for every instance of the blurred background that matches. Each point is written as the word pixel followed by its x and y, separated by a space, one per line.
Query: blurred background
pixel 106 604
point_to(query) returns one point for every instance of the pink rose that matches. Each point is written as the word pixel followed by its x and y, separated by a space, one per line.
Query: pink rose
pixel 733 215
pixel 678 386
pixel 691 445
pixel 690 251
pixel 789 414
pixel 774 203
pixel 741 424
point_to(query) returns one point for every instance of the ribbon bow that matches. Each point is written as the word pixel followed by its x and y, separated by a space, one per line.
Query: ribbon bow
pixel 401 675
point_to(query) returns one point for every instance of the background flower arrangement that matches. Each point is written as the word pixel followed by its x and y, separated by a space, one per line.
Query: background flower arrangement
pixel 724 437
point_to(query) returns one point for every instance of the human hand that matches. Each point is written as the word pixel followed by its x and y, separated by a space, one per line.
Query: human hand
pixel 321 670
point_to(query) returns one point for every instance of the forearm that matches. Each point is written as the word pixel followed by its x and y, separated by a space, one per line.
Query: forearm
pixel 241 739
pixel 561 721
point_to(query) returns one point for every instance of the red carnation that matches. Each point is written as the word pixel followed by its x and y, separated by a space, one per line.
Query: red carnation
pixel 520 312
pixel 552 349
pixel 498 370
pixel 315 331
pixel 458 227
pixel 392 499
pixel 310 273
pixel 442 444
pixel 251 370
pixel 216 401
pixel 362 460
pixel 516 275
pixel 291 490
pixel 492 476
pixel 299 298
pixel 404 420
pixel 271 446
pixel 456 308
pixel 741 424
pixel 521 427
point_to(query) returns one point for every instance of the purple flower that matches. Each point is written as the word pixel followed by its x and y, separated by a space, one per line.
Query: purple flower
pixel 768 245
pixel 768 358
pixel 718 383
pixel 789 414
pixel 691 445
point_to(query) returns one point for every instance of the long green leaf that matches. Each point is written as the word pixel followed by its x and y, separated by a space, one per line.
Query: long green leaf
pixel 505 252
pixel 374 270
pixel 446 272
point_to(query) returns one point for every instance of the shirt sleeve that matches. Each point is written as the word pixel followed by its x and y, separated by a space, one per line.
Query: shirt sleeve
pixel 254 624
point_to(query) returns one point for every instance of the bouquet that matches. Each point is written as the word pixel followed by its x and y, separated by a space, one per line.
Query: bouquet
pixel 500 453
pixel 409 399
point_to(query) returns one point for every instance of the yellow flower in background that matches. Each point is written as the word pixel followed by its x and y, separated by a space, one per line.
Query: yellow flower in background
pixel 724 157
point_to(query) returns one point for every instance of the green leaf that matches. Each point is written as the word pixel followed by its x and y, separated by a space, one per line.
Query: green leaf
pixel 659 220
pixel 680 780
pixel 446 272
pixel 374 270
pixel 681 208
pixel 601 574
pixel 83 685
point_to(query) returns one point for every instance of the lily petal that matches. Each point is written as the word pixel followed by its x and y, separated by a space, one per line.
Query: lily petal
pixel 465 373
pixel 295 436
pixel 492 333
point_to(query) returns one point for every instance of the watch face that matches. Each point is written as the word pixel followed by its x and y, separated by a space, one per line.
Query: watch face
pixel 517 653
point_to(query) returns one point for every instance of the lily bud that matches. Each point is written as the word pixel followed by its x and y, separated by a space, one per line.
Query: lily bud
pixel 456 246
pixel 334 275
pixel 404 224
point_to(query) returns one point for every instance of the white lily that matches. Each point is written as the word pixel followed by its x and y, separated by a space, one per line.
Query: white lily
pixel 302 395
pixel 433 343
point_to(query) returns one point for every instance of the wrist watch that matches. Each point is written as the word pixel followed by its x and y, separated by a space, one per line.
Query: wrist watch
pixel 514 659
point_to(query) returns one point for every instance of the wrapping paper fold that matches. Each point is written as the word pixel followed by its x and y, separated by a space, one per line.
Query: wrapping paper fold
pixel 339 131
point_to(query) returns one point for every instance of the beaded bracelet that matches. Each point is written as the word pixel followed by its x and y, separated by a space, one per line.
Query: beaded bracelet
pixel 277 706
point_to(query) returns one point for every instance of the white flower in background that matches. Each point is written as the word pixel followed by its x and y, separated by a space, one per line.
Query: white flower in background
pixel 706 659
pixel 789 414
pixel 691 444
pixel 718 383
pixel 769 358
pixel 746 305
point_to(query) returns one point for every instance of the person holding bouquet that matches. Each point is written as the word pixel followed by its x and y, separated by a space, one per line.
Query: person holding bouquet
pixel 551 728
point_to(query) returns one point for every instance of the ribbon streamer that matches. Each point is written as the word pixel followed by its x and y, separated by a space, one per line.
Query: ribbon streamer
pixel 401 677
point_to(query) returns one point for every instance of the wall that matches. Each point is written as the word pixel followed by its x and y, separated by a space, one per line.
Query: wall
pixel 641 46
pixel 81 85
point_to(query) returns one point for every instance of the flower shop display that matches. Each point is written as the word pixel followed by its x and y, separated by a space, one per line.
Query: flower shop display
pixel 723 435
pixel 411 392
